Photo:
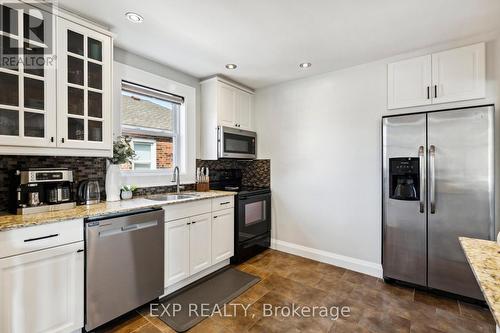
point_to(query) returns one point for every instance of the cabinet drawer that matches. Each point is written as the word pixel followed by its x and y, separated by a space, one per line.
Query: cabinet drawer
pixel 187 209
pixel 40 237
pixel 222 203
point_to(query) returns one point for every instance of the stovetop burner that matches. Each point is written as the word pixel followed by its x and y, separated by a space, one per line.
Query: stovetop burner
pixel 230 180
pixel 245 190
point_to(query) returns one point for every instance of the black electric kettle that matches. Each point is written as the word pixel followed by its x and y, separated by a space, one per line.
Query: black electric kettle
pixel 89 192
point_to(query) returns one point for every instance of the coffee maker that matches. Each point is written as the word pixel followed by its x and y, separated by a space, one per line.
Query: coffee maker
pixel 37 190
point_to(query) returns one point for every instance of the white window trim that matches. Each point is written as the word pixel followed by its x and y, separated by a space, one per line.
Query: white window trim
pixel 186 140
pixel 153 154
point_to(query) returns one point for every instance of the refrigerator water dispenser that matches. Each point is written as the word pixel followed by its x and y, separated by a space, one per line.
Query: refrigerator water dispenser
pixel 404 178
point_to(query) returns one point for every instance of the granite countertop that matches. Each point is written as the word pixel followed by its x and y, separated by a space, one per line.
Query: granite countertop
pixel 11 221
pixel 484 258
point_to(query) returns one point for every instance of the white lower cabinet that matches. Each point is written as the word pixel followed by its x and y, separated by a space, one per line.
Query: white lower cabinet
pixel 200 246
pixel 42 291
pixel 176 251
pixel 197 245
pixel 222 235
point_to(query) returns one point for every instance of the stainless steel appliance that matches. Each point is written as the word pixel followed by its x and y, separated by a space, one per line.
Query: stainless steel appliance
pixel 124 264
pixel 252 218
pixel 236 143
pixel 438 185
pixel 37 190
pixel 89 192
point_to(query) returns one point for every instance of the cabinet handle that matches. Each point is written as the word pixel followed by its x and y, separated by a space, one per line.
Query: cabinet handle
pixel 194 222
pixel 79 251
pixel 215 216
pixel 225 203
pixel 51 139
pixel 40 238
pixel 62 140
pixel 435 91
pixel 188 223
pixel 428 92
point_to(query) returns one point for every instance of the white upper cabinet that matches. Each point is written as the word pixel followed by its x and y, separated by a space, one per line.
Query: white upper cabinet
pixel 233 105
pixel 459 74
pixel 409 82
pixel 223 103
pixel 226 100
pixel 28 95
pixel 244 107
pixel 84 87
pixel 449 76
pixel 56 92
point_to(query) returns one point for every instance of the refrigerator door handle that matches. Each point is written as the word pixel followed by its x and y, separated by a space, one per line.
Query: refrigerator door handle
pixel 421 153
pixel 432 176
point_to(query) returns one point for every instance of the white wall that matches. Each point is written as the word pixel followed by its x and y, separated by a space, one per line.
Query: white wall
pixel 323 136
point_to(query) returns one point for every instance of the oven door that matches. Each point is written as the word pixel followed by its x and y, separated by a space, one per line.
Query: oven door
pixel 236 143
pixel 253 216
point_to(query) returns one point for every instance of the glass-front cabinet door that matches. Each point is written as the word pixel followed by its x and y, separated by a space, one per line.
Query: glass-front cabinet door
pixel 27 77
pixel 84 87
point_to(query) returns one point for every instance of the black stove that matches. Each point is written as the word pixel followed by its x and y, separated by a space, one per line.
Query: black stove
pixel 252 218
pixel 231 180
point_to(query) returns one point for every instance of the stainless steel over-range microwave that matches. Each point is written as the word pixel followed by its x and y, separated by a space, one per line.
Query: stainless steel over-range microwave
pixel 236 143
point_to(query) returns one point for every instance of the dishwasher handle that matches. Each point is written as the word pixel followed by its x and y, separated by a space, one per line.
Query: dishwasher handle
pixel 142 225
pixel 127 228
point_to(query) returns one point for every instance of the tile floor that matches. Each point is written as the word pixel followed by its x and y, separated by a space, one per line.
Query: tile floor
pixel 375 307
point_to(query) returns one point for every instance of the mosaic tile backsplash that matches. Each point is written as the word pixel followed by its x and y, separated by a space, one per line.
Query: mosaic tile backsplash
pixel 254 172
pixel 83 168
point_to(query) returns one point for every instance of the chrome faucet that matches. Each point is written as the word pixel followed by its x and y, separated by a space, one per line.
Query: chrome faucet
pixel 177 179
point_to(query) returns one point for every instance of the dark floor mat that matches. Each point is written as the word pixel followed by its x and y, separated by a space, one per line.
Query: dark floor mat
pixel 215 291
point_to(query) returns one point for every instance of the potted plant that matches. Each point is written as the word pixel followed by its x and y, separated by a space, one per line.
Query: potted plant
pixel 122 154
pixel 127 191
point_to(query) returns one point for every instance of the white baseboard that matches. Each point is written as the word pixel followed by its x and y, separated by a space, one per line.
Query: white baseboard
pixel 358 265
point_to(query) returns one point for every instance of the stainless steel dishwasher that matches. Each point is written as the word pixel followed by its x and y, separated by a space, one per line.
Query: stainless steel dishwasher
pixel 124 263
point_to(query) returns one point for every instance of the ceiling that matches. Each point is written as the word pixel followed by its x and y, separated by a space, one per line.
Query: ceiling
pixel 268 39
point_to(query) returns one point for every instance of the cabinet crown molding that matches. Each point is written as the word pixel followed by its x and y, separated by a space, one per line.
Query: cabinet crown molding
pixel 228 82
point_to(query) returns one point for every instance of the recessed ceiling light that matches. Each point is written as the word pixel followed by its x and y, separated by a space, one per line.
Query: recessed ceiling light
pixel 305 65
pixel 231 66
pixel 134 17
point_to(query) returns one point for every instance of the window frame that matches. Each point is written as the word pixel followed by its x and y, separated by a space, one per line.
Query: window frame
pixel 186 122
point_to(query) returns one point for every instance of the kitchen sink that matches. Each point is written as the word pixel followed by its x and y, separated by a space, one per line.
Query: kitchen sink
pixel 171 197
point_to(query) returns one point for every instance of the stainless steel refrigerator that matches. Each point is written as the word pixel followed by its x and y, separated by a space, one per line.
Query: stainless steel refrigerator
pixel 438 185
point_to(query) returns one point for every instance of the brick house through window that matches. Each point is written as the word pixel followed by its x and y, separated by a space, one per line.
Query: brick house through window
pixel 150 118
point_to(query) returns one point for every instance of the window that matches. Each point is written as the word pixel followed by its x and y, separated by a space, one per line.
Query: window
pixel 145 151
pixel 151 118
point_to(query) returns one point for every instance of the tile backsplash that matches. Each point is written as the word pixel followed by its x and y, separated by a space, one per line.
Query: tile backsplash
pixel 83 168
pixel 254 172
